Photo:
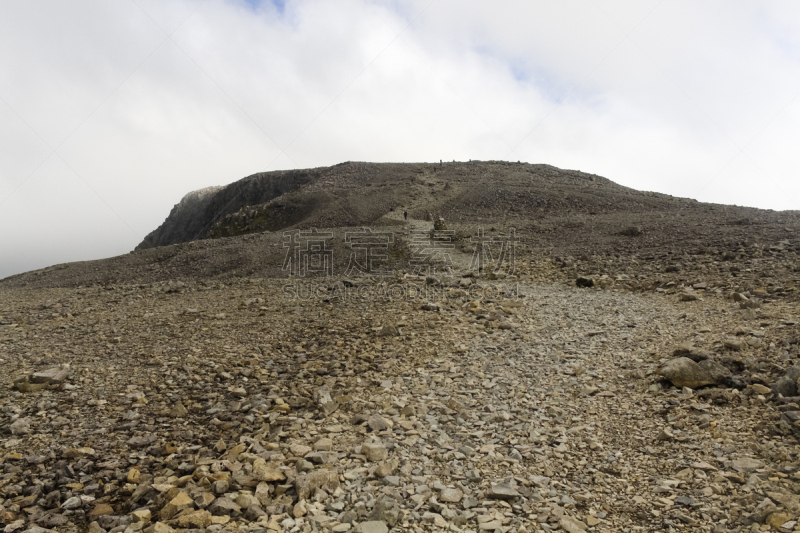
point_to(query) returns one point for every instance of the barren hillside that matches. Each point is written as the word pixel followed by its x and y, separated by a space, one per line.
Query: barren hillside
pixel 632 365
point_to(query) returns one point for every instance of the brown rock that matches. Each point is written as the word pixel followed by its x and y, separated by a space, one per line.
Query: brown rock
pixel 323 445
pixel 299 509
pixel 178 410
pixel 747 464
pixel 375 451
pixel 758 388
pixel 195 519
pixel 101 509
pixel 74 453
pixel 502 491
pixel 224 506
pixel 386 468
pixel 572 525
pixel 306 484
pixel 683 372
pixel 450 496
pixel 270 472
pixel 134 475
pixel 51 376
pixel 378 423
pixel 776 520
pixel 178 503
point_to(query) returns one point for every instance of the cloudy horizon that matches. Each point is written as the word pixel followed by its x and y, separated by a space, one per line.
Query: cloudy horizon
pixel 111 112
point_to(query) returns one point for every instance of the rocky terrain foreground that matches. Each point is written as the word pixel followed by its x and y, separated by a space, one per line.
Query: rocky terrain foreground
pixel 229 407
pixel 636 371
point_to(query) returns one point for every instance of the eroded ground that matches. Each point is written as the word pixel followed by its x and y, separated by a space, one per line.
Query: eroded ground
pixel 231 406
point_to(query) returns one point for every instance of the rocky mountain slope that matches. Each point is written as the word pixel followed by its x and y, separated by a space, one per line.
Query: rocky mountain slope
pixel 355 194
pixel 637 369
pixel 568 223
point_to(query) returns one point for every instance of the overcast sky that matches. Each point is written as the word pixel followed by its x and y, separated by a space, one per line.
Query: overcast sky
pixel 112 110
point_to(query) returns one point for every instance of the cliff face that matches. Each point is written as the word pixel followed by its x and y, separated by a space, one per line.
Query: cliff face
pixel 198 211
pixel 184 219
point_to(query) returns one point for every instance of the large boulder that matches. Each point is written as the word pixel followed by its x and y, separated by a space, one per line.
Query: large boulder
pixel 793 373
pixel 785 386
pixel 51 376
pixel 720 374
pixel 683 372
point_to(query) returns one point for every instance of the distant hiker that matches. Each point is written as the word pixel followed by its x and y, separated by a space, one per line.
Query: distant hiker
pixel 405 215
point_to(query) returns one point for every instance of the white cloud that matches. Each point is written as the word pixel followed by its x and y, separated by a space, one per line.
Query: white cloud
pixel 148 100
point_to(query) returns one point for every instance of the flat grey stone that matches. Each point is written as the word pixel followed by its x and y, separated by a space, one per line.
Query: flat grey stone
pixel 373 526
